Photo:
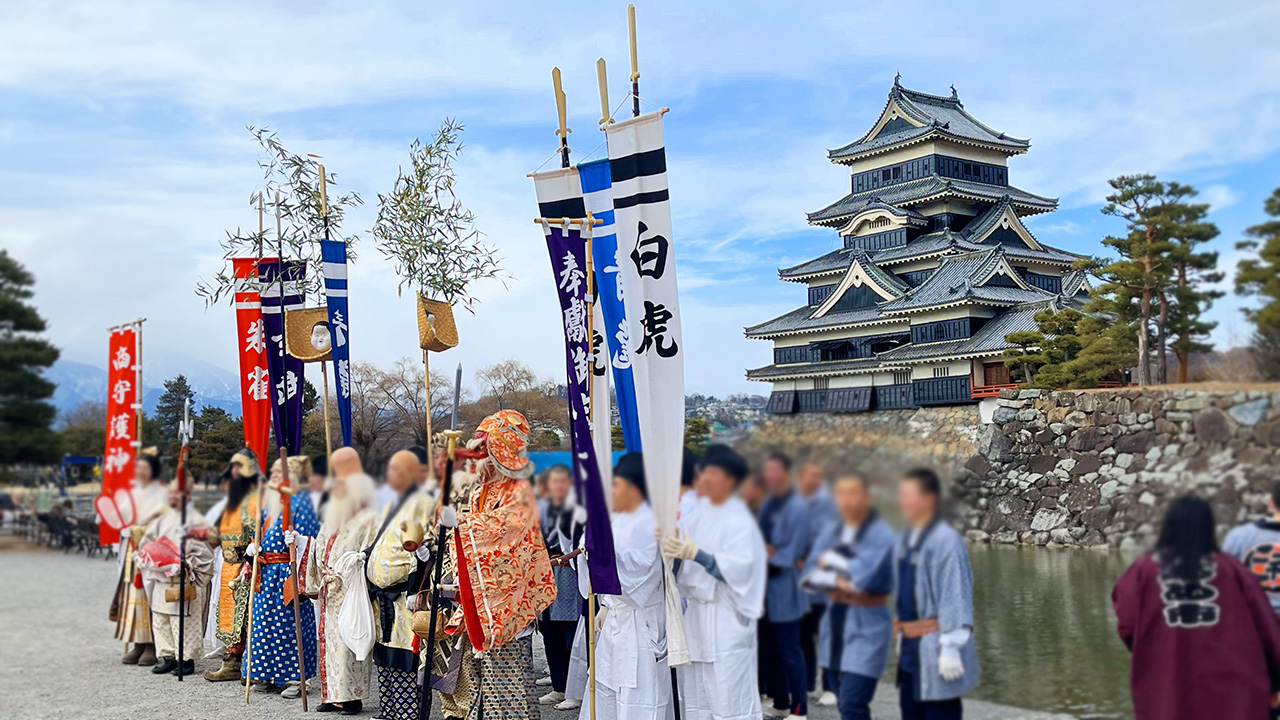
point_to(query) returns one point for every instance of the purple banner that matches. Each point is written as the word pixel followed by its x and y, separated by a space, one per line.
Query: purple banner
pixel 569 270
pixel 284 370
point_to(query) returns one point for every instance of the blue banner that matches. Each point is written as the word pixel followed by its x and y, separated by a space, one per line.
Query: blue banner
pixel 333 253
pixel 597 194
pixel 569 271
pixel 284 370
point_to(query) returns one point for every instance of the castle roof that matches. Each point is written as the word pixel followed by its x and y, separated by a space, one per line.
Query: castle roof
pixel 960 279
pixel 926 117
pixel 931 187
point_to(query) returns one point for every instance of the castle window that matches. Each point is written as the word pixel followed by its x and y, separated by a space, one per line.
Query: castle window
pixel 901 377
pixel 885 174
pixel 941 372
pixel 897 173
pixel 821 383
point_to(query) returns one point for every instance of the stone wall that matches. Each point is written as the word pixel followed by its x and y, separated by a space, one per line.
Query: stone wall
pixel 1096 468
pixel 879 444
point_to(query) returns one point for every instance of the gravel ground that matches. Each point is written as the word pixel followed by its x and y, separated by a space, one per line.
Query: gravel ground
pixel 61 661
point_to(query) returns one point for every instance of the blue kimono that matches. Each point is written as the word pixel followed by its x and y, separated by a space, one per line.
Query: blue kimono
pixel 272 654
pixel 942 588
pixel 823 516
pixel 865 633
pixel 1257 546
pixel 785 524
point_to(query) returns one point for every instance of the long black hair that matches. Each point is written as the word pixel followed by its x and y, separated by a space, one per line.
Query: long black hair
pixel 1187 538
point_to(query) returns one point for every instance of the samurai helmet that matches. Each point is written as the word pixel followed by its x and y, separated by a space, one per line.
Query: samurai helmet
pixel 504 436
pixel 247 458
pixel 299 468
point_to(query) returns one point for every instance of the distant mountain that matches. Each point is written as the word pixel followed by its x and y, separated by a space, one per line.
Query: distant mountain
pixel 80 382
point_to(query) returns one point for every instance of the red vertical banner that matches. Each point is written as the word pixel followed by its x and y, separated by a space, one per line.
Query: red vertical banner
pixel 122 426
pixel 255 385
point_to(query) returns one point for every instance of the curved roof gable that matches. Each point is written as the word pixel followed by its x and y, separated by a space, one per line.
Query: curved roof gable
pixel 912 116
pixel 864 272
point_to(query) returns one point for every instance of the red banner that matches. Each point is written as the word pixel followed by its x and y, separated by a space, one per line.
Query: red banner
pixel 122 427
pixel 255 385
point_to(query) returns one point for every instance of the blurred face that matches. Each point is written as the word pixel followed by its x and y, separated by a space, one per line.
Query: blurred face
pixel 142 472
pixel 277 471
pixel 315 483
pixel 715 484
pixel 776 477
pixel 339 490
pixel 809 479
pixel 402 471
pixel 917 506
pixel 752 491
pixel 626 497
pixel 558 484
pixel 853 500
pixel 175 498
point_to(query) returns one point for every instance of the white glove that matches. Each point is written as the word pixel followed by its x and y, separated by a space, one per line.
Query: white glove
pixel 423 552
pixel 412 603
pixel 679 547
pixel 290 537
pixel 448 517
pixel 819 581
pixel 832 560
pixel 580 515
pixel 600 613
pixel 251 550
pixel 950 666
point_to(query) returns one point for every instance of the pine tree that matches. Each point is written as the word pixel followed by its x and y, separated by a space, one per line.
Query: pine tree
pixel 697 435
pixel 217 437
pixel 1059 348
pixel 170 407
pixel 26 415
pixel 1026 356
pixel 1192 271
pixel 1259 278
pixel 1142 268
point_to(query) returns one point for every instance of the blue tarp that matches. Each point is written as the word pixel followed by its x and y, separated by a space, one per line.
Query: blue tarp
pixel 544 460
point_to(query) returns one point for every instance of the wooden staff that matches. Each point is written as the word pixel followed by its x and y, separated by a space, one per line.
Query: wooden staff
pixel 589 231
pixel 286 524
pixel 328 440
pixel 442 534
pixel 635 66
pixel 563 131
pixel 605 115
pixel 426 388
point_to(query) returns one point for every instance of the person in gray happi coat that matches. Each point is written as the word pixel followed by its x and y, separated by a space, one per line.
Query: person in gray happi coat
pixel 852 561
pixel 784 522
pixel 811 483
pixel 937 662
pixel 561 523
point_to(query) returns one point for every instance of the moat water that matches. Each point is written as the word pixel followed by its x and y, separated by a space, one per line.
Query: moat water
pixel 1046 633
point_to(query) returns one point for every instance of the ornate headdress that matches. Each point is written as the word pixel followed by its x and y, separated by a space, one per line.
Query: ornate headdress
pixel 247 458
pixel 504 437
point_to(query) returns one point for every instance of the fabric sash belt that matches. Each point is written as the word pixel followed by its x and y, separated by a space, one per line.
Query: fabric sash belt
pixel 272 558
pixel 868 600
pixel 916 628
pixel 386 599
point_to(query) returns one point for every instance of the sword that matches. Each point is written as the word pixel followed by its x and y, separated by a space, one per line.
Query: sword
pixel 446 486
pixel 185 429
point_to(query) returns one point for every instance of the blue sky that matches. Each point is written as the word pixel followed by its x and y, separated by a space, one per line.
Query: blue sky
pixel 124 158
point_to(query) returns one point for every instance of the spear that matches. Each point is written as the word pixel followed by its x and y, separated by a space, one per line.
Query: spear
pixel 451 446
pixel 185 429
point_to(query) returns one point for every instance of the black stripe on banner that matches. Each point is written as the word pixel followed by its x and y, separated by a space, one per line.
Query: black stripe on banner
pixel 640 199
pixel 652 162
pixel 567 208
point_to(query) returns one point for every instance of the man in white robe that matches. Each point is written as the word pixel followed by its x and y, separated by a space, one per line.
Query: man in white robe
pixel 721 574
pixel 347 528
pixel 632 681
pixel 163 582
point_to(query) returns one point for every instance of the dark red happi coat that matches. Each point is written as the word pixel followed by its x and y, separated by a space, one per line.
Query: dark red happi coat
pixel 1206 649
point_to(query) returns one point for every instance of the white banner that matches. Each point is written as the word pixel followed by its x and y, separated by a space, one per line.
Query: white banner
pixel 642 218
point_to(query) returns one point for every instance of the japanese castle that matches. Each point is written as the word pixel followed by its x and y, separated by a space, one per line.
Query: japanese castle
pixel 935 270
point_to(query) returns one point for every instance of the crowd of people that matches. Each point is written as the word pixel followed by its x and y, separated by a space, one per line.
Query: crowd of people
pixel 788 588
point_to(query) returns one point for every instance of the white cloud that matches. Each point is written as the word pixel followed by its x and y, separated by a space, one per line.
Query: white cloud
pixel 126 158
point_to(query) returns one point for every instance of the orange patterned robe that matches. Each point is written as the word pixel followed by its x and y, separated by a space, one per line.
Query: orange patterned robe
pixel 507 565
